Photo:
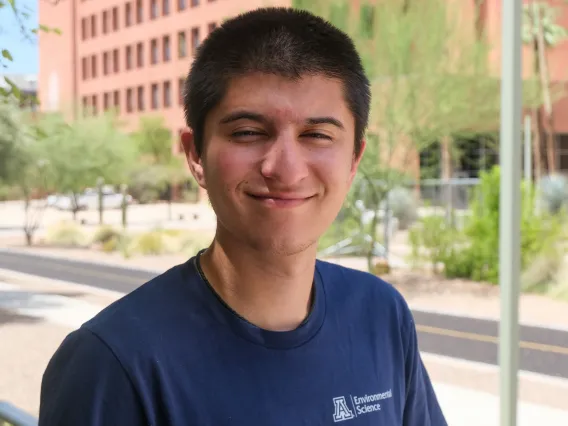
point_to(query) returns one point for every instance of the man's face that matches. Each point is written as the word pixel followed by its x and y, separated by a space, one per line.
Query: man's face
pixel 278 160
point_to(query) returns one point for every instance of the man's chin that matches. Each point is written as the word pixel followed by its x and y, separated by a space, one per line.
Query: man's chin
pixel 284 246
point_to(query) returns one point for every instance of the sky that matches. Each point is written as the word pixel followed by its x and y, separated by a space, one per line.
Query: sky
pixel 24 51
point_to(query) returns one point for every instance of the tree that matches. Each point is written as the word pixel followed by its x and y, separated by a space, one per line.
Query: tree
pixel 430 79
pixel 541 32
pixel 21 14
pixel 22 163
pixel 159 171
pixel 84 150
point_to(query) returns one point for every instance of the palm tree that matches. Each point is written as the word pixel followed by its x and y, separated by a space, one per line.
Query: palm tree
pixel 541 32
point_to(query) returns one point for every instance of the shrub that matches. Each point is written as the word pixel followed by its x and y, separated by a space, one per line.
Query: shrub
pixel 478 259
pixel 402 204
pixel 149 243
pixel 553 192
pixel 431 240
pixel 104 234
pixel 66 234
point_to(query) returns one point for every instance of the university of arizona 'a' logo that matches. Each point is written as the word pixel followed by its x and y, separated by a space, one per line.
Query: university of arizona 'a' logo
pixel 342 411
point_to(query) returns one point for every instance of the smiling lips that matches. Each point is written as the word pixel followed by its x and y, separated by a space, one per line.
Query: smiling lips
pixel 280 200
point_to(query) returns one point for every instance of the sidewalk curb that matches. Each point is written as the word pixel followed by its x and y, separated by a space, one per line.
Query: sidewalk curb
pixel 22 276
pixel 95 262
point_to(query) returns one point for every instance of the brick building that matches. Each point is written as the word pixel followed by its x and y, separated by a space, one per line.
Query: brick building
pixel 134 54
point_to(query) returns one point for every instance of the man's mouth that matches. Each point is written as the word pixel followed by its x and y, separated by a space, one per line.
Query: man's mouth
pixel 281 200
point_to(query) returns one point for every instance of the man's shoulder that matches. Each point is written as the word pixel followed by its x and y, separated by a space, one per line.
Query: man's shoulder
pixel 135 316
pixel 357 281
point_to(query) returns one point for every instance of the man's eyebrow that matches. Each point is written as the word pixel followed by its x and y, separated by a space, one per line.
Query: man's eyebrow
pixel 243 115
pixel 325 120
pixel 254 116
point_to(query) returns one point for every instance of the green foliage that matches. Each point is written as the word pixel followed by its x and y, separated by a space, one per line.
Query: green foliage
pixel 80 152
pixel 475 253
pixel 153 139
pixel 158 168
pixel 553 33
pixel 431 240
pixel 16 142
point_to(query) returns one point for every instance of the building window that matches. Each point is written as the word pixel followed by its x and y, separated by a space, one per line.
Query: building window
pixel 115 61
pixel 211 27
pixel 154 51
pixel 129 102
pixel 165 7
pixel 115 18
pixel 182 4
pixel 85 68
pixel 194 3
pixel 139 11
pixel 94 104
pixel 85 101
pixel 182 44
pixel 105 22
pixel 153 9
pixel 155 95
pixel 128 15
pixel 181 85
pixel 93 66
pixel 93 25
pixel 106 101
pixel 105 63
pixel 167 94
pixel 166 51
pixel 140 55
pixel 128 57
pixel 194 39
pixel 140 98
pixel 116 100
pixel 84 28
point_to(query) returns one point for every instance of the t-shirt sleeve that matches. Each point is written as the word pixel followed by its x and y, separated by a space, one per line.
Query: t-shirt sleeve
pixel 421 407
pixel 85 384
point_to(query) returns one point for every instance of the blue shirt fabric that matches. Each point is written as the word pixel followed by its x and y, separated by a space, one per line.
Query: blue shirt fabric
pixel 172 353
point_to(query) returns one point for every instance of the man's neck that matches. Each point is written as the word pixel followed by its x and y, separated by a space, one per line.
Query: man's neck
pixel 270 291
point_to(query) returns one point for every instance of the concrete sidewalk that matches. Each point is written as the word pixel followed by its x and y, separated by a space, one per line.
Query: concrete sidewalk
pixel 467 407
pixel 35 316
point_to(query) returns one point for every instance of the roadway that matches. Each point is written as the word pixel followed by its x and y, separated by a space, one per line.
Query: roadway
pixel 542 350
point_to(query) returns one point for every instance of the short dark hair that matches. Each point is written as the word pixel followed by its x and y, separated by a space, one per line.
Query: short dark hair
pixel 282 41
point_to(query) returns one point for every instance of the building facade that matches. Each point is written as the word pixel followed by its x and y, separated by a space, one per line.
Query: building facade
pixel 129 55
pixel 133 55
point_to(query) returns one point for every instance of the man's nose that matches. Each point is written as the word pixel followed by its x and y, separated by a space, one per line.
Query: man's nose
pixel 285 161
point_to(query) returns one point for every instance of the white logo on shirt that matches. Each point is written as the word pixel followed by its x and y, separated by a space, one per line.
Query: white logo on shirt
pixel 359 405
pixel 342 411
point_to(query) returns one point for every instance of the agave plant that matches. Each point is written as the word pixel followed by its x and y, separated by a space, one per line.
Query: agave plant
pixel 553 190
pixel 402 204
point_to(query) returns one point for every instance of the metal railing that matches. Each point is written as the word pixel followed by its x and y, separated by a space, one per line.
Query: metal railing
pixel 10 415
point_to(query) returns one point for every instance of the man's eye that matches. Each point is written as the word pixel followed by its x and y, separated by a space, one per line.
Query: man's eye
pixel 316 136
pixel 244 133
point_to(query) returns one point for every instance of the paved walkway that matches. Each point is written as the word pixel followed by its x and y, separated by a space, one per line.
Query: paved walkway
pixel 35 315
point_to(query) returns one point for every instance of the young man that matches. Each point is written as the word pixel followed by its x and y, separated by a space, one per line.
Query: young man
pixel 254 330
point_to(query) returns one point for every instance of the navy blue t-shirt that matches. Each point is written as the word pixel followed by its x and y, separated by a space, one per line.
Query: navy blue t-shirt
pixel 172 353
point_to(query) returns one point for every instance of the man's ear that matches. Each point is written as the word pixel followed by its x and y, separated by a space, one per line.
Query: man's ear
pixel 356 160
pixel 193 159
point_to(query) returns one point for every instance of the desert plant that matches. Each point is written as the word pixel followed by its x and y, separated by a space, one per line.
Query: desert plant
pixel 402 204
pixel 478 258
pixel 104 234
pixel 553 192
pixel 66 234
pixel 431 240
